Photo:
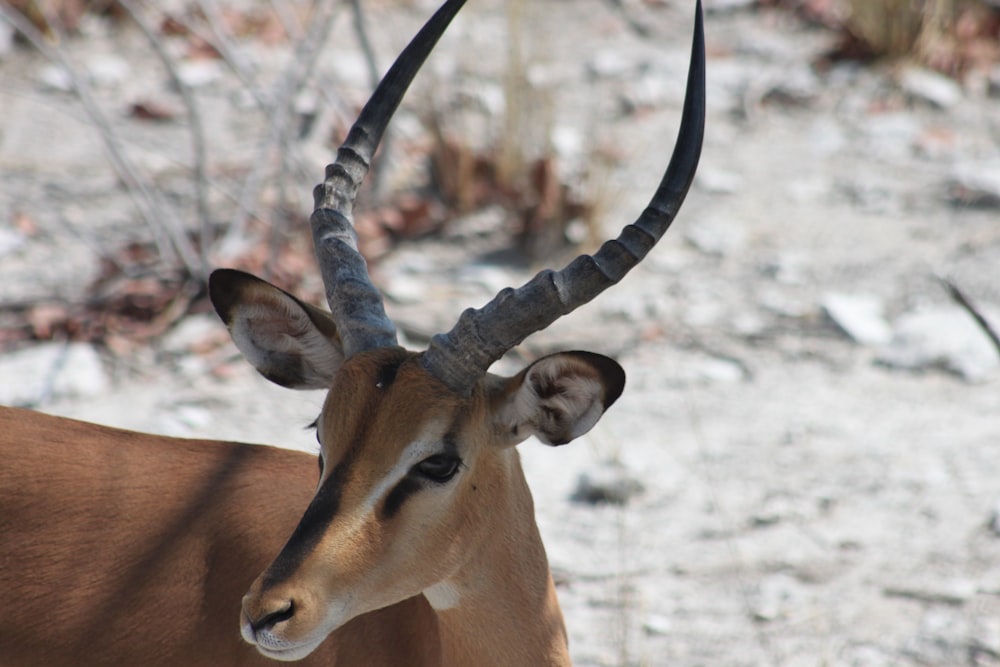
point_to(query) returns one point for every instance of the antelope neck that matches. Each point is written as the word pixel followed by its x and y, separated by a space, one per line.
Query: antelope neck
pixel 500 609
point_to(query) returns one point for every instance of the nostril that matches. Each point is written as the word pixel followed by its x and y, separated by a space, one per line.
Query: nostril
pixel 272 618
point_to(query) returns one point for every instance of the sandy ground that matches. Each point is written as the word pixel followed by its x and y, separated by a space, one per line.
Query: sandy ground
pixel 809 497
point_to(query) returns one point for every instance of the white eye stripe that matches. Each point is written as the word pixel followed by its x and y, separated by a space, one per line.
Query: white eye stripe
pixel 415 452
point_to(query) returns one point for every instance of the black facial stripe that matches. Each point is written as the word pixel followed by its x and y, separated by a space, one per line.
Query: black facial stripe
pixel 410 485
pixel 315 521
pixel 325 504
pixel 403 490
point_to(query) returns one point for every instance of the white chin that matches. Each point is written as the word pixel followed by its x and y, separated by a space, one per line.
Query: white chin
pixel 286 653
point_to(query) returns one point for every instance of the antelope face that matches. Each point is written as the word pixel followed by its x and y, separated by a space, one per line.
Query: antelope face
pixel 413 473
pixel 391 512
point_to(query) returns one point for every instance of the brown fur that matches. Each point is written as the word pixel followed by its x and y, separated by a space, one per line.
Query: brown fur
pixel 121 548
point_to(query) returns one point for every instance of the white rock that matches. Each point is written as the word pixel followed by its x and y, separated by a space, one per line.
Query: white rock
pixel 107 70
pixel 976 185
pixel 658 625
pixel 860 316
pixel 10 240
pixel 56 78
pixel 609 64
pixel 51 370
pixel 716 238
pixel 199 73
pixel 405 288
pixel 956 591
pixel 190 332
pixel 943 337
pixel 776 597
pixel 718 181
pixel 931 87
pixel 713 370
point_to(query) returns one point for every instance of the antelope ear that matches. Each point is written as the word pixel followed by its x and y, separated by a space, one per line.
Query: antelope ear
pixel 559 397
pixel 289 342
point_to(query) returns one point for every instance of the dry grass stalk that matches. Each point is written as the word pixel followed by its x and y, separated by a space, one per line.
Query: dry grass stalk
pixel 923 29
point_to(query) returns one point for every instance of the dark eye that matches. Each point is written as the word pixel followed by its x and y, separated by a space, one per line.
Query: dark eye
pixel 320 459
pixel 438 468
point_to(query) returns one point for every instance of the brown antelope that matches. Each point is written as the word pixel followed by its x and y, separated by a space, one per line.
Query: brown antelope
pixel 418 546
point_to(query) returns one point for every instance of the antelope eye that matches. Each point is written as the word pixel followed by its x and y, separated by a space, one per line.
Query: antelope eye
pixel 439 468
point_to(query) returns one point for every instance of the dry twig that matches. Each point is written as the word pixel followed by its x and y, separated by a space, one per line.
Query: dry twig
pixel 168 232
pixel 962 300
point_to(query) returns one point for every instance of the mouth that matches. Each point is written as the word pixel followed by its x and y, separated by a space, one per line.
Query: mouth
pixel 275 648
pixel 271 643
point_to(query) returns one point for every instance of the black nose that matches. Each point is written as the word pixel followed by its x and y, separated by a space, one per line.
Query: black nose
pixel 272 618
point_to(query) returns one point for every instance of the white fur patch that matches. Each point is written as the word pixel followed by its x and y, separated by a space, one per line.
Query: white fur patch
pixel 443 596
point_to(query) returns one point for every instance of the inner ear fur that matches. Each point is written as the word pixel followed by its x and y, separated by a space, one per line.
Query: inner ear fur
pixel 289 342
pixel 559 397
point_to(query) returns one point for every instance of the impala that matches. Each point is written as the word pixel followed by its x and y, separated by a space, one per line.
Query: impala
pixel 417 546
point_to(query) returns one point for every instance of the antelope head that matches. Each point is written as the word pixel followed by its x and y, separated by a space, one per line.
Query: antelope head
pixel 418 469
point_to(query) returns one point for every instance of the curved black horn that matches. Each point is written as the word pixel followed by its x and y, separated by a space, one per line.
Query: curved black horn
pixel 461 356
pixel 355 302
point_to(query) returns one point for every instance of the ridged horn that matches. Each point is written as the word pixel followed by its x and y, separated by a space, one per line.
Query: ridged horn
pixel 480 337
pixel 354 300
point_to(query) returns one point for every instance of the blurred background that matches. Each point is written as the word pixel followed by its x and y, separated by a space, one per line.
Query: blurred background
pixel 804 467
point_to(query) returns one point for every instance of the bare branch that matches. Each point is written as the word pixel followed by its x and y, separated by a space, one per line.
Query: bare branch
pixel 962 300
pixel 199 168
pixel 280 110
pixel 167 230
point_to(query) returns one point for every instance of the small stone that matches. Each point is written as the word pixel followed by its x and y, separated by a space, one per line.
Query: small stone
pixel 715 238
pixel 192 334
pixel 986 634
pixel 799 88
pixel 994 523
pixel 931 87
pixel 776 596
pixel 657 625
pixel 955 592
pixel 718 181
pixel 405 289
pixel 52 370
pixel 976 185
pixel 56 78
pixel 199 73
pixel 10 241
pixel 712 370
pixel 609 64
pixel 611 485
pixel 944 337
pixel 860 316
pixel 993 82
pixel 647 92
pixel 107 70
